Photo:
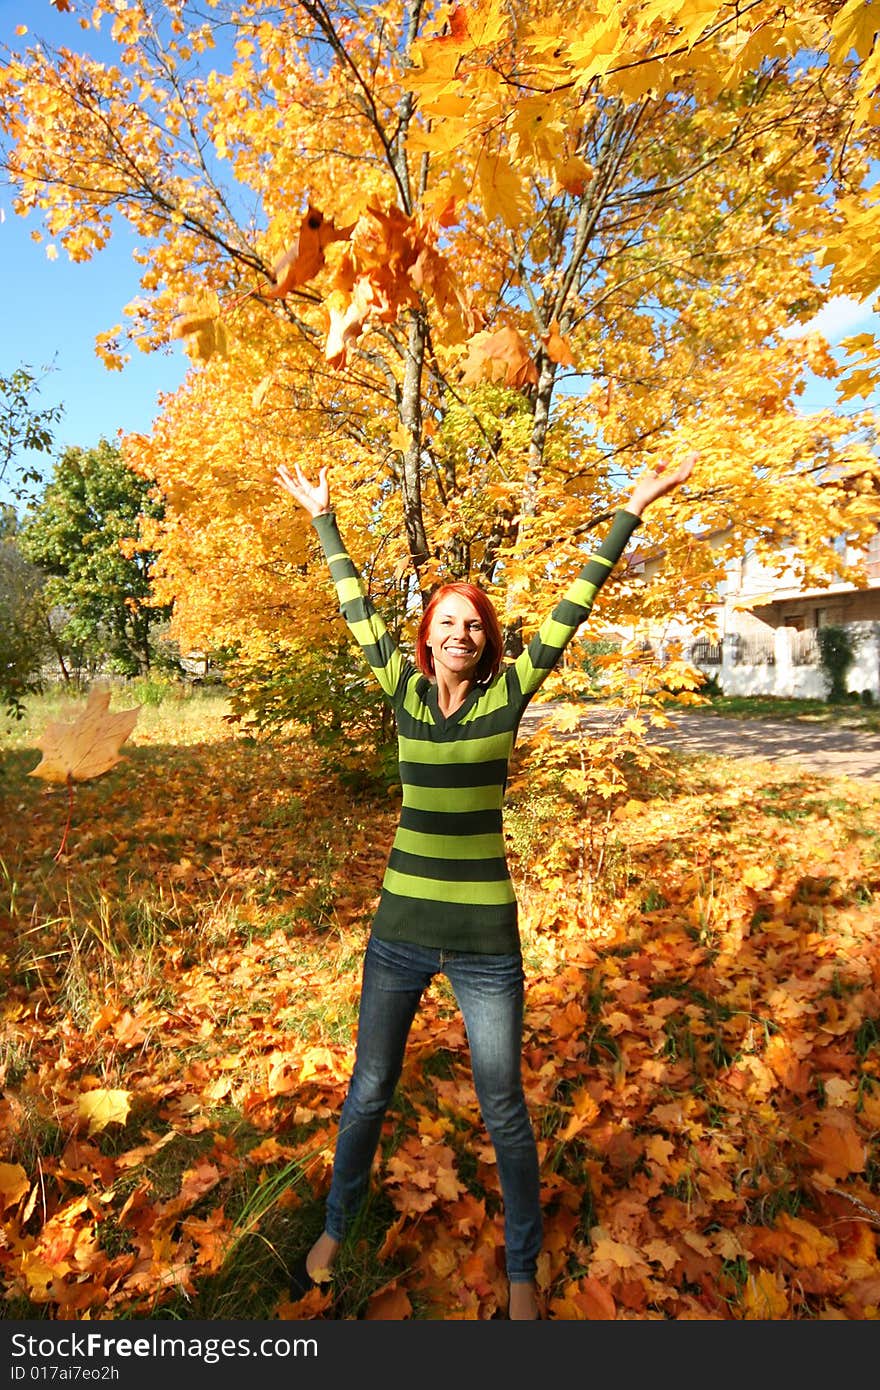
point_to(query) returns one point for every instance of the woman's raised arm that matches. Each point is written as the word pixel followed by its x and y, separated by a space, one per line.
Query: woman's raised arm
pixel 364 623
pixel 534 664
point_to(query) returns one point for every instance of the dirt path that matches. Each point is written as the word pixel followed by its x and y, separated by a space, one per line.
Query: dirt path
pixel 836 750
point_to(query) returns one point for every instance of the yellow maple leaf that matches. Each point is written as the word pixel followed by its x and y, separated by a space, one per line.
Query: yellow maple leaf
pixel 400 438
pixel 839 1147
pixel 39 1275
pixel 662 1253
pixel 13 1184
pixel 501 189
pixel 853 27
pixel 101 1108
pixel 765 1297
pixel 616 1253
pixel 88 744
pixel 261 390
pixel 201 327
pixel 203 337
pixel 567 717
pixel 758 876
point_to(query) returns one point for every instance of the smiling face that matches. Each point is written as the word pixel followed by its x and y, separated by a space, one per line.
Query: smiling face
pixel 456 637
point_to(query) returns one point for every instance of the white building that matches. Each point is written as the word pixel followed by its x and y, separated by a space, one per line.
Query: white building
pixel 767 625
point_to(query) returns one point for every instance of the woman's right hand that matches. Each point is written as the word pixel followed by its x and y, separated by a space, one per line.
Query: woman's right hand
pixel 315 497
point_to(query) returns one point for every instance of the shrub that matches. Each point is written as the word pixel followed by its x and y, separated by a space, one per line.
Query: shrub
pixel 836 652
pixel 711 686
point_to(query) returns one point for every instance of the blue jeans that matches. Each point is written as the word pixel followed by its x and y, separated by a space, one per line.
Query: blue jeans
pixel 489 991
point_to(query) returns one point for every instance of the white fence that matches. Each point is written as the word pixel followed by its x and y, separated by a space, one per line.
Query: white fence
pixel 786 662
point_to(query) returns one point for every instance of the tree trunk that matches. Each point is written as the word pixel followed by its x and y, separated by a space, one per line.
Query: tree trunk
pixel 411 419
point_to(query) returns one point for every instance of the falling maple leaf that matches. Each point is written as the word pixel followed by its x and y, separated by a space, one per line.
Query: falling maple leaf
pixel 556 346
pixel 86 745
pixel 305 257
pixel 203 336
pixel 202 329
pixel 82 746
pixel 501 355
pixel 261 390
pixel 348 318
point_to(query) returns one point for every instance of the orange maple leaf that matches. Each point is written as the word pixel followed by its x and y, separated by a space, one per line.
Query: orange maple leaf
pixel 501 355
pixel 390 260
pixel 573 176
pixel 302 261
pixel 457 28
pixel 389 1305
pixel 604 405
pixel 838 1147
pixel 86 745
pixel 595 1301
pixel 556 346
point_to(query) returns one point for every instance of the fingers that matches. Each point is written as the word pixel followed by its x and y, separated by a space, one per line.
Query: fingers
pixel 686 467
pixel 673 477
pixel 283 478
pixel 313 498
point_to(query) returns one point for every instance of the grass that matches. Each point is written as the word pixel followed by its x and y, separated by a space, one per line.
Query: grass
pixel 198 947
pixel 169 712
pixel 851 713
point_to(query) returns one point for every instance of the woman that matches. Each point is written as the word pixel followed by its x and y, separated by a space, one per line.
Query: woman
pixel 447 902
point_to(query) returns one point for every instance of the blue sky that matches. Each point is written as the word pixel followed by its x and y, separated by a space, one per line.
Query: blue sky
pixel 53 312
pixel 53 309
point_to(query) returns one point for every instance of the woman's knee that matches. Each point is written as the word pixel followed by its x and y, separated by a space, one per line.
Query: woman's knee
pixel 370 1093
pixel 506 1117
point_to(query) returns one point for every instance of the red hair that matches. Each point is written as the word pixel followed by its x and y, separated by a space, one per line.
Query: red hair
pixel 490 662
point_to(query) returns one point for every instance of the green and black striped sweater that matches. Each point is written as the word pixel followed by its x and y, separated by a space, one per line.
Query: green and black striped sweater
pixel 447 883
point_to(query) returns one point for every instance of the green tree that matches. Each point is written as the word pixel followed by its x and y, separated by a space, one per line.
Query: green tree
pixel 24 638
pixel 24 425
pixel 82 532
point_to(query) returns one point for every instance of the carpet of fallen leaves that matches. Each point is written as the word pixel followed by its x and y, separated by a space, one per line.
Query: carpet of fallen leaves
pixel 702 1050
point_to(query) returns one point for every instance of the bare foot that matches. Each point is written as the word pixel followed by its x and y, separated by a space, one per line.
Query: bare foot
pixel 319 1260
pixel 523 1306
